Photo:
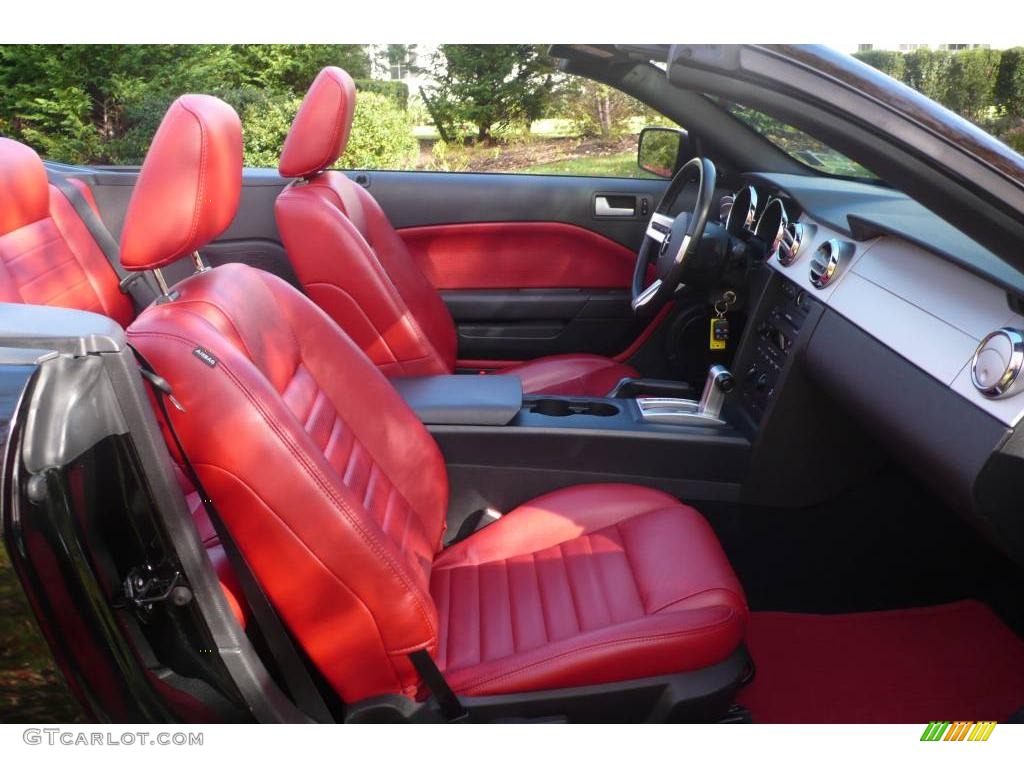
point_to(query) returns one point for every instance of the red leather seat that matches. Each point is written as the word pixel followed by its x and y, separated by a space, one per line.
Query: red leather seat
pixel 336 493
pixel 47 255
pixel 353 264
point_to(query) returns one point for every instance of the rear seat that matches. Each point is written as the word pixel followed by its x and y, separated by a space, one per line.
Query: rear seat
pixel 48 256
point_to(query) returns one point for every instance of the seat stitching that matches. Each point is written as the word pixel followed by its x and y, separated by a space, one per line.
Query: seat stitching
pixel 96 289
pixel 595 572
pixel 511 606
pixel 36 247
pixel 66 291
pixel 690 596
pixel 632 571
pixel 568 582
pixel 639 640
pixel 540 598
pixel 479 616
pixel 397 569
pixel 51 268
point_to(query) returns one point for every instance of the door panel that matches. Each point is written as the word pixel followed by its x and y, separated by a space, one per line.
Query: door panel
pixel 528 265
pixel 518 254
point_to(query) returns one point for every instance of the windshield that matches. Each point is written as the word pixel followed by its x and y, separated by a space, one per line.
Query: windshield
pixel 798 145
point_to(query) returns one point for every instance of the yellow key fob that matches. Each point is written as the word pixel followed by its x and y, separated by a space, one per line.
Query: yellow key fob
pixel 719 336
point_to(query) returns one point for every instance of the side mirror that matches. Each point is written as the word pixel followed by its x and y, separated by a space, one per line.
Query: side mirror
pixel 658 150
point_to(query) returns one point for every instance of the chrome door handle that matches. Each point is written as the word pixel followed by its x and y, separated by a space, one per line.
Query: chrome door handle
pixel 603 206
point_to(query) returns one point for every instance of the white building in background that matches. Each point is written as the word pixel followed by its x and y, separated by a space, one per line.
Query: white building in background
pixel 405 62
pixel 908 47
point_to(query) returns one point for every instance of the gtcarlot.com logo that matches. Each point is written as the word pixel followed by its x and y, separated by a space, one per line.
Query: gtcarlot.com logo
pixel 90 738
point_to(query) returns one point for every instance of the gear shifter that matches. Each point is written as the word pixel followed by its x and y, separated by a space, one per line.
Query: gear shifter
pixel 703 413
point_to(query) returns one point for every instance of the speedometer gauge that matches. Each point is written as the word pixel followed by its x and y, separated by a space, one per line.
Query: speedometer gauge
pixel 772 225
pixel 741 215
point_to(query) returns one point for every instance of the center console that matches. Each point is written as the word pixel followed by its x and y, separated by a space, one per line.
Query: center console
pixel 781 317
pixel 502 447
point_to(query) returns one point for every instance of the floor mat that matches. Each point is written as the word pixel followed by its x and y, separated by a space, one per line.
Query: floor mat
pixel 950 662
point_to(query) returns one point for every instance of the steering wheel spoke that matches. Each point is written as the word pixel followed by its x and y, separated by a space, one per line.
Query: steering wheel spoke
pixel 647 294
pixel 669 239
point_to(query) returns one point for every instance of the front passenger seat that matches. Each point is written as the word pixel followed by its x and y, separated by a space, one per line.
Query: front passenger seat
pixel 336 493
pixel 353 264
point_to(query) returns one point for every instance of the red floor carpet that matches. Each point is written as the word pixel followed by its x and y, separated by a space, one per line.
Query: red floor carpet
pixel 949 662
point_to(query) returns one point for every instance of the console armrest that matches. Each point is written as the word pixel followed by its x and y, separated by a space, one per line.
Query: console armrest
pixel 476 400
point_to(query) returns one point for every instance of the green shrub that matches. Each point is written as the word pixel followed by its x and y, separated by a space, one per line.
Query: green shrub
pixel 1014 138
pixel 1008 92
pixel 265 124
pixel 971 77
pixel 381 135
pixel 447 157
pixel 395 90
pixel 927 71
pixel 889 62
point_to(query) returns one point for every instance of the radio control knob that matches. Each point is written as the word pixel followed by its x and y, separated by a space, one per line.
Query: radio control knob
pixel 997 363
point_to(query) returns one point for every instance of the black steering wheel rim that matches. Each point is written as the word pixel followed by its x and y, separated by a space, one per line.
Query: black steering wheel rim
pixel 668 240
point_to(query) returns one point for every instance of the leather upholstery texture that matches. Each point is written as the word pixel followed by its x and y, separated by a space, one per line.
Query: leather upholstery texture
pixel 591 584
pixel 352 263
pixel 188 193
pixel 336 495
pixel 320 131
pixel 47 255
pixel 517 254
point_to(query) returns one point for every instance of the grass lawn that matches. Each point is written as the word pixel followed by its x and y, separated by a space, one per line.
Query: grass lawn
pixel 622 165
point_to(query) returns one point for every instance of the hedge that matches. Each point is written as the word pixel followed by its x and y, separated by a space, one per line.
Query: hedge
pixel 395 90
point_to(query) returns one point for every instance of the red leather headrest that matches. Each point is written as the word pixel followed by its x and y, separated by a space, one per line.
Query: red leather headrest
pixel 24 190
pixel 188 190
pixel 320 130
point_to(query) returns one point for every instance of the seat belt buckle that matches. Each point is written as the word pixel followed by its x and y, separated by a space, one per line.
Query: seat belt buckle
pixel 128 280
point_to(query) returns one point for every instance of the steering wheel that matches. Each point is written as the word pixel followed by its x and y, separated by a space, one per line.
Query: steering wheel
pixel 669 241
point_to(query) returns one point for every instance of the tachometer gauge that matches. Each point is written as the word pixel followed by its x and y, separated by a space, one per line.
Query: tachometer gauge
pixel 772 225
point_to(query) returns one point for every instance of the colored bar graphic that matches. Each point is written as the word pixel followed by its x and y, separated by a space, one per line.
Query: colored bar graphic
pixel 935 730
pixel 960 730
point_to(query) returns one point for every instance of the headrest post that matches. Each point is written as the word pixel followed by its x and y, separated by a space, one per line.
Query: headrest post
pixel 166 294
pixel 197 260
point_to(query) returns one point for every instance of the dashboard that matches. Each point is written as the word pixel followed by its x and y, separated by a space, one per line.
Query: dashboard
pixel 934 311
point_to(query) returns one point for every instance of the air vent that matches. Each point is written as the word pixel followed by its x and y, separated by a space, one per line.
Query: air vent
pixel 793 237
pixel 825 263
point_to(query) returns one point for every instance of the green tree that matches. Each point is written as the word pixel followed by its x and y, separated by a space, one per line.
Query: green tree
pixel 1008 93
pixel 971 77
pixel 488 86
pixel 597 109
pixel 291 68
pixel 889 62
pixel 927 71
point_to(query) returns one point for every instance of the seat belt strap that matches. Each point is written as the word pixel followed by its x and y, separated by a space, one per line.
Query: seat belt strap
pixel 451 707
pixel 137 285
pixel 279 643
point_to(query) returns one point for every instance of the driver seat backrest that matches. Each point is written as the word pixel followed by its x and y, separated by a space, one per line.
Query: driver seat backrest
pixel 377 293
pixel 333 489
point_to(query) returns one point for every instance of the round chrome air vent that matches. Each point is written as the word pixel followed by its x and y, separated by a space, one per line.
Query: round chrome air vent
pixel 742 212
pixel 793 237
pixel 771 225
pixel 825 263
pixel 995 370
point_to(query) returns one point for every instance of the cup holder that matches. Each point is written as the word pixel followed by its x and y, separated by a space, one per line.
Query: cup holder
pixel 549 406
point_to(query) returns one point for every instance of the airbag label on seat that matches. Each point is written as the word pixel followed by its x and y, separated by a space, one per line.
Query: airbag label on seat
pixel 205 356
